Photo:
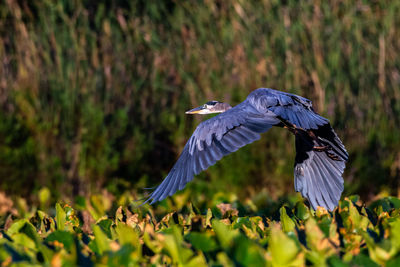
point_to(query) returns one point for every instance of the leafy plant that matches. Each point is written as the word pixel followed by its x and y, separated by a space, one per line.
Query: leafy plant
pixel 351 235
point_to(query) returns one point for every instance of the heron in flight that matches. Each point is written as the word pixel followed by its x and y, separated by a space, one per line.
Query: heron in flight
pixel 320 154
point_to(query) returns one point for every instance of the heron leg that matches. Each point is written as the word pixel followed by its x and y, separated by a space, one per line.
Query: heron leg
pixel 298 131
pixel 320 148
pixel 290 126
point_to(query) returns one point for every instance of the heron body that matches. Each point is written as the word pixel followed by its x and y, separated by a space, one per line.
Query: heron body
pixel 320 155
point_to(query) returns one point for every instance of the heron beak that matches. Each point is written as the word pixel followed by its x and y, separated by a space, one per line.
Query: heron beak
pixel 199 110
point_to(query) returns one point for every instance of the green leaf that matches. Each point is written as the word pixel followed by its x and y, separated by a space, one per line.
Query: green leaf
pixel 354 214
pixel 123 257
pixel 335 261
pixel 395 262
pixel 173 243
pixel 105 225
pixel 16 226
pixel 64 237
pixel 60 217
pixel 30 231
pixel 242 221
pixel 287 223
pixel 101 242
pixel 152 245
pixel 225 235
pixel 127 235
pixel 378 252
pixel 394 201
pixel 80 203
pixel 363 260
pixel 202 241
pixel 302 211
pixel 225 260
pixel 248 253
pixel 395 233
pixel 324 224
pixel 354 198
pixel 24 240
pixel 385 204
pixel 99 205
pixel 283 250
pixel 197 261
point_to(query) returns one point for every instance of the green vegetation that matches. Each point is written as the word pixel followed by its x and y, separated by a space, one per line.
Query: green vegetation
pixel 92 102
pixel 353 235
pixel 93 94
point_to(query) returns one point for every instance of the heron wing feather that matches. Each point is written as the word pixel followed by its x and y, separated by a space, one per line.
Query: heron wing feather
pixel 318 174
pixel 293 108
pixel 213 139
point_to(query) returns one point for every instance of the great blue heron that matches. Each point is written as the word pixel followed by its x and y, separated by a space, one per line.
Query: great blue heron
pixel 320 155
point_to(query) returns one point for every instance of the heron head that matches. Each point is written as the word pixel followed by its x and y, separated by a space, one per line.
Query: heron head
pixel 210 107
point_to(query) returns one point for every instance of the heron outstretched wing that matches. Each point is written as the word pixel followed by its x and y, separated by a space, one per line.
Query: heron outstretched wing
pixel 317 172
pixel 213 139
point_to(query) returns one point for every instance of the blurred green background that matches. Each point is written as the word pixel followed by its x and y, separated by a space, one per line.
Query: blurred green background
pixel 93 93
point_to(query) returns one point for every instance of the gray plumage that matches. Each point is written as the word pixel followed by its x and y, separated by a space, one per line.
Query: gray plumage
pixel 320 155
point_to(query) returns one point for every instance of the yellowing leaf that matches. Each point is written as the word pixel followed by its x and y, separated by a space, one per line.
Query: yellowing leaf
pixel 320 246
